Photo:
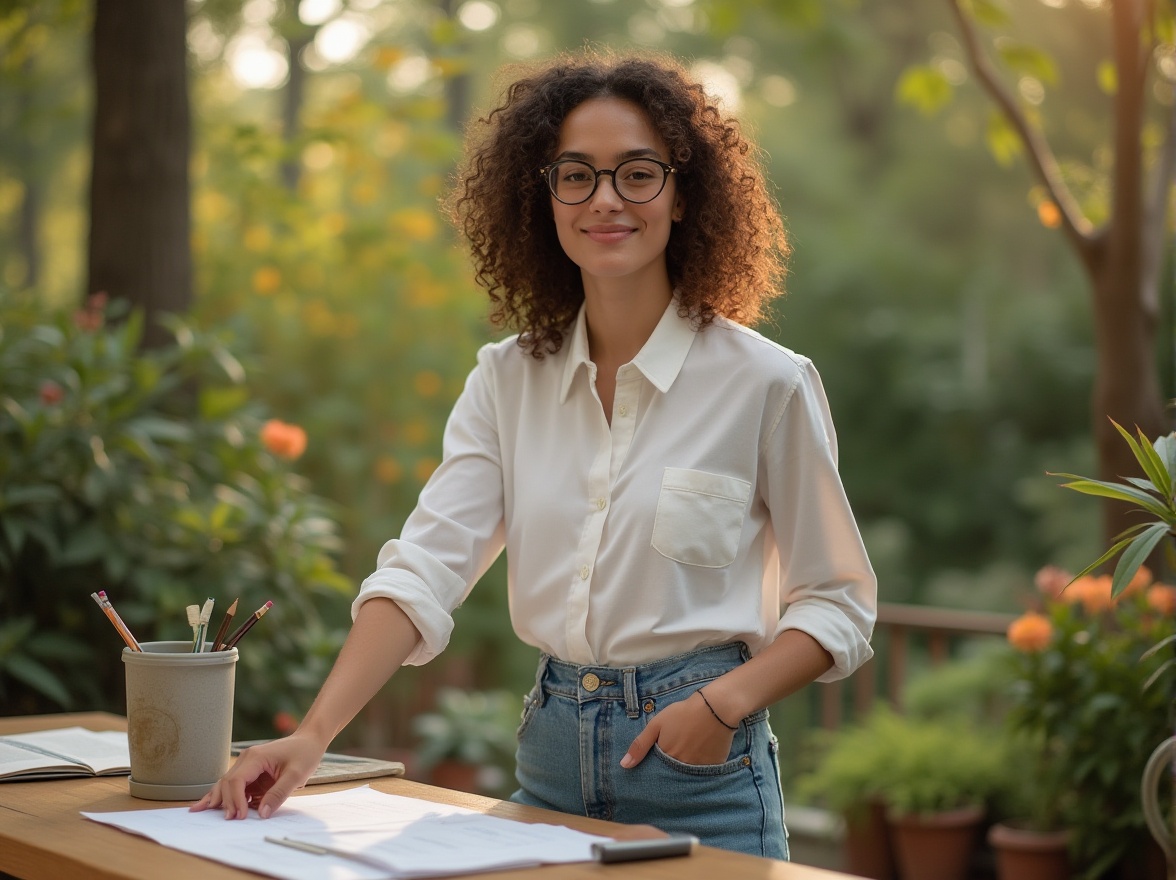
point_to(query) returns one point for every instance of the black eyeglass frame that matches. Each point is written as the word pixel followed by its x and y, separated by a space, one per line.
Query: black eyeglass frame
pixel 545 173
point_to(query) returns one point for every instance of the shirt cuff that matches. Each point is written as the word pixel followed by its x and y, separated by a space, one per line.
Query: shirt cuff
pixel 834 631
pixel 416 600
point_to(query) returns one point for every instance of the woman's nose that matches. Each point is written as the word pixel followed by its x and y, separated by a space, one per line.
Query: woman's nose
pixel 606 198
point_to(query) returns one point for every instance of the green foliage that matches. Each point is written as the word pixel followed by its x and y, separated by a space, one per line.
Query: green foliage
pixel 1087 721
pixel 914 765
pixel 1152 496
pixel 144 474
pixel 475 727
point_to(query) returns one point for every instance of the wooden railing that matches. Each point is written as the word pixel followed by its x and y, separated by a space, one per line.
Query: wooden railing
pixel 900 629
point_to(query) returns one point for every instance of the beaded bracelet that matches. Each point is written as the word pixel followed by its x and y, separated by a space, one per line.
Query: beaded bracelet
pixel 716 714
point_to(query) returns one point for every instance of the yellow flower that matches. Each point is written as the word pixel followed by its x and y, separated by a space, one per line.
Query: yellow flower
pixel 1031 632
pixel 267 280
pixel 283 439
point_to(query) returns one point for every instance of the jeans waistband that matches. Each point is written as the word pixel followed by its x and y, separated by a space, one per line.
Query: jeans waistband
pixel 632 684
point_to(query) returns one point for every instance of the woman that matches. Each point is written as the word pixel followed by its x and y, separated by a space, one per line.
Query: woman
pixel 663 479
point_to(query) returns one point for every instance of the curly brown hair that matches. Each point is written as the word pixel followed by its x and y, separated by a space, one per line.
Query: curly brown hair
pixel 727 255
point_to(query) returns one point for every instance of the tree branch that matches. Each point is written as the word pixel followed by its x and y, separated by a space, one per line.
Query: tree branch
pixel 1041 157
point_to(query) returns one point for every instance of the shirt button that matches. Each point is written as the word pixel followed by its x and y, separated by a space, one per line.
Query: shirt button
pixel 622 410
pixel 601 503
pixel 584 573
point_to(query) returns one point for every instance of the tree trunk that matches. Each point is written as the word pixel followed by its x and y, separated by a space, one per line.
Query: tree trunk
pixel 139 245
pixel 30 206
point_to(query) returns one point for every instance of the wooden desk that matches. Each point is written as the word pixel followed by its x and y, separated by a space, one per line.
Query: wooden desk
pixel 44 837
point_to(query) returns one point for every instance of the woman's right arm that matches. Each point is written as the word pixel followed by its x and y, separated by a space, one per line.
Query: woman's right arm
pixel 381 639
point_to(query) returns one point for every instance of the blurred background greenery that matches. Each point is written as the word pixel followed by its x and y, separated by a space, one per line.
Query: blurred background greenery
pixel 950 320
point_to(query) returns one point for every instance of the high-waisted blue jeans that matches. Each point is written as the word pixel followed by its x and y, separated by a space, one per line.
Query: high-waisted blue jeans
pixel 579 721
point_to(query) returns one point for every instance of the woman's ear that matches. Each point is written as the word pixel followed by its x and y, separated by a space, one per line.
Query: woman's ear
pixel 679 208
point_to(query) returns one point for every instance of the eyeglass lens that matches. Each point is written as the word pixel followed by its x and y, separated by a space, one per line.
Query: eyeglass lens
pixel 635 180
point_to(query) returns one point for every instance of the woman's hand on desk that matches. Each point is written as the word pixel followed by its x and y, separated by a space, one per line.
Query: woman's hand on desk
pixel 263 777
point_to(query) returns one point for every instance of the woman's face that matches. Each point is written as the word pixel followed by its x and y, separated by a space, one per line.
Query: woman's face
pixel 606 236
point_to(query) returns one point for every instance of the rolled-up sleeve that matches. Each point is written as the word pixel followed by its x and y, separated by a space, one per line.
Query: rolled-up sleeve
pixel 456 530
pixel 828 587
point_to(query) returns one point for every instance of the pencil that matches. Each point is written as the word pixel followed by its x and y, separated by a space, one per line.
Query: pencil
pixel 231 641
pixel 115 620
pixel 219 641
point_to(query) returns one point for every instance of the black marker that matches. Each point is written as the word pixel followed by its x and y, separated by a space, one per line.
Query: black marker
pixel 632 850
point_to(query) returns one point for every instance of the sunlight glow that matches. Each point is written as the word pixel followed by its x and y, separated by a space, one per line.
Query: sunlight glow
pixel 255 64
pixel 340 40
pixel 410 74
pixel 315 12
pixel 522 41
pixel 720 83
pixel 259 11
pixel 478 15
pixel 779 91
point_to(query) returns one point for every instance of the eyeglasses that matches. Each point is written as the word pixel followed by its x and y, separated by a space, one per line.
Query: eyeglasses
pixel 636 181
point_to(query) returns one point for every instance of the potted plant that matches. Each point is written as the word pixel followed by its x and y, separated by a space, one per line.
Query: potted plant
pixel 945 775
pixel 1081 704
pixel 849 778
pixel 1153 495
pixel 468 741
pixel 907 773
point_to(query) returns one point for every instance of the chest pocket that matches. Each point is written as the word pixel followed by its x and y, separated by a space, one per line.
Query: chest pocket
pixel 700 517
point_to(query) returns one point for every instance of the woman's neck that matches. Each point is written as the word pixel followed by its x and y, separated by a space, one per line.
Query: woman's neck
pixel 621 317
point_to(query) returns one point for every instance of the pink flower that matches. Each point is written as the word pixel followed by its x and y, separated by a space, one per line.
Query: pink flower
pixel 283 440
pixel 51 393
pixel 1031 632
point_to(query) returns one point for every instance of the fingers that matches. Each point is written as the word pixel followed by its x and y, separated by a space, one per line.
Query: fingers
pixel 640 746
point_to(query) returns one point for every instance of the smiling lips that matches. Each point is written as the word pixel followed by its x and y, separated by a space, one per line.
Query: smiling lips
pixel 609 233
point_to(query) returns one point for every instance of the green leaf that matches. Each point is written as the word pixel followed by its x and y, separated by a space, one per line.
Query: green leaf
pixel 84 545
pixel 1108 555
pixel 1119 492
pixel 1108 77
pixel 923 87
pixel 1137 551
pixel 1148 460
pixel 1002 139
pixel 1165 448
pixel 38 677
pixel 217 403
pixel 1029 60
pixel 20 495
pixel 989 13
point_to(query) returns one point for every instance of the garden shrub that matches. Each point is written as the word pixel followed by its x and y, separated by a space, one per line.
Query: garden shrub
pixel 146 474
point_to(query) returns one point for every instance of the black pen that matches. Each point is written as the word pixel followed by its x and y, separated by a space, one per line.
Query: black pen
pixel 633 850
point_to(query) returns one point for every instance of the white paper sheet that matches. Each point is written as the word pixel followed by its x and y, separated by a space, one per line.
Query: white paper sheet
pixel 411 838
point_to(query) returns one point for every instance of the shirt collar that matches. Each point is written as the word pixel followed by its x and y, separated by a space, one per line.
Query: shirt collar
pixel 660 359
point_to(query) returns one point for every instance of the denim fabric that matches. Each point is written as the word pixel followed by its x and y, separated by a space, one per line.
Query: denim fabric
pixel 576 728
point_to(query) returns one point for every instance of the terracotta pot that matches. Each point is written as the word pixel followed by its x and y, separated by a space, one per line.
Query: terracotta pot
pixel 936 846
pixel 455 775
pixel 868 852
pixel 1022 854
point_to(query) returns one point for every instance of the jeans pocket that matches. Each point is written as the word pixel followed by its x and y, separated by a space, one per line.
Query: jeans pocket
pixel 731 765
pixel 530 707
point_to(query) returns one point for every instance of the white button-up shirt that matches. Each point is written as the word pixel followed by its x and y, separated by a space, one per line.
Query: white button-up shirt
pixel 710 510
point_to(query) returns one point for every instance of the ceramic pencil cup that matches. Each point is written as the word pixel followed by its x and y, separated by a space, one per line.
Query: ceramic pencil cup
pixel 179 718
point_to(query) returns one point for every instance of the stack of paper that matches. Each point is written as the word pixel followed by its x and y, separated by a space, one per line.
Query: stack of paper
pixel 369 835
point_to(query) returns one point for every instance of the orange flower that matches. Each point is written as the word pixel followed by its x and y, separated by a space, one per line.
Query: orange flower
pixel 51 393
pixel 1093 592
pixel 285 723
pixel 1031 632
pixel 283 440
pixel 1162 598
pixel 1051 580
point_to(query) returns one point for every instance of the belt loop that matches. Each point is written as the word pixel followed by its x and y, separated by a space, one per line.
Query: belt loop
pixel 632 709
pixel 540 694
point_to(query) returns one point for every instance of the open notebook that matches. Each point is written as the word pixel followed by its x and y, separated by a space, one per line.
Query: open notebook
pixel 67 751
